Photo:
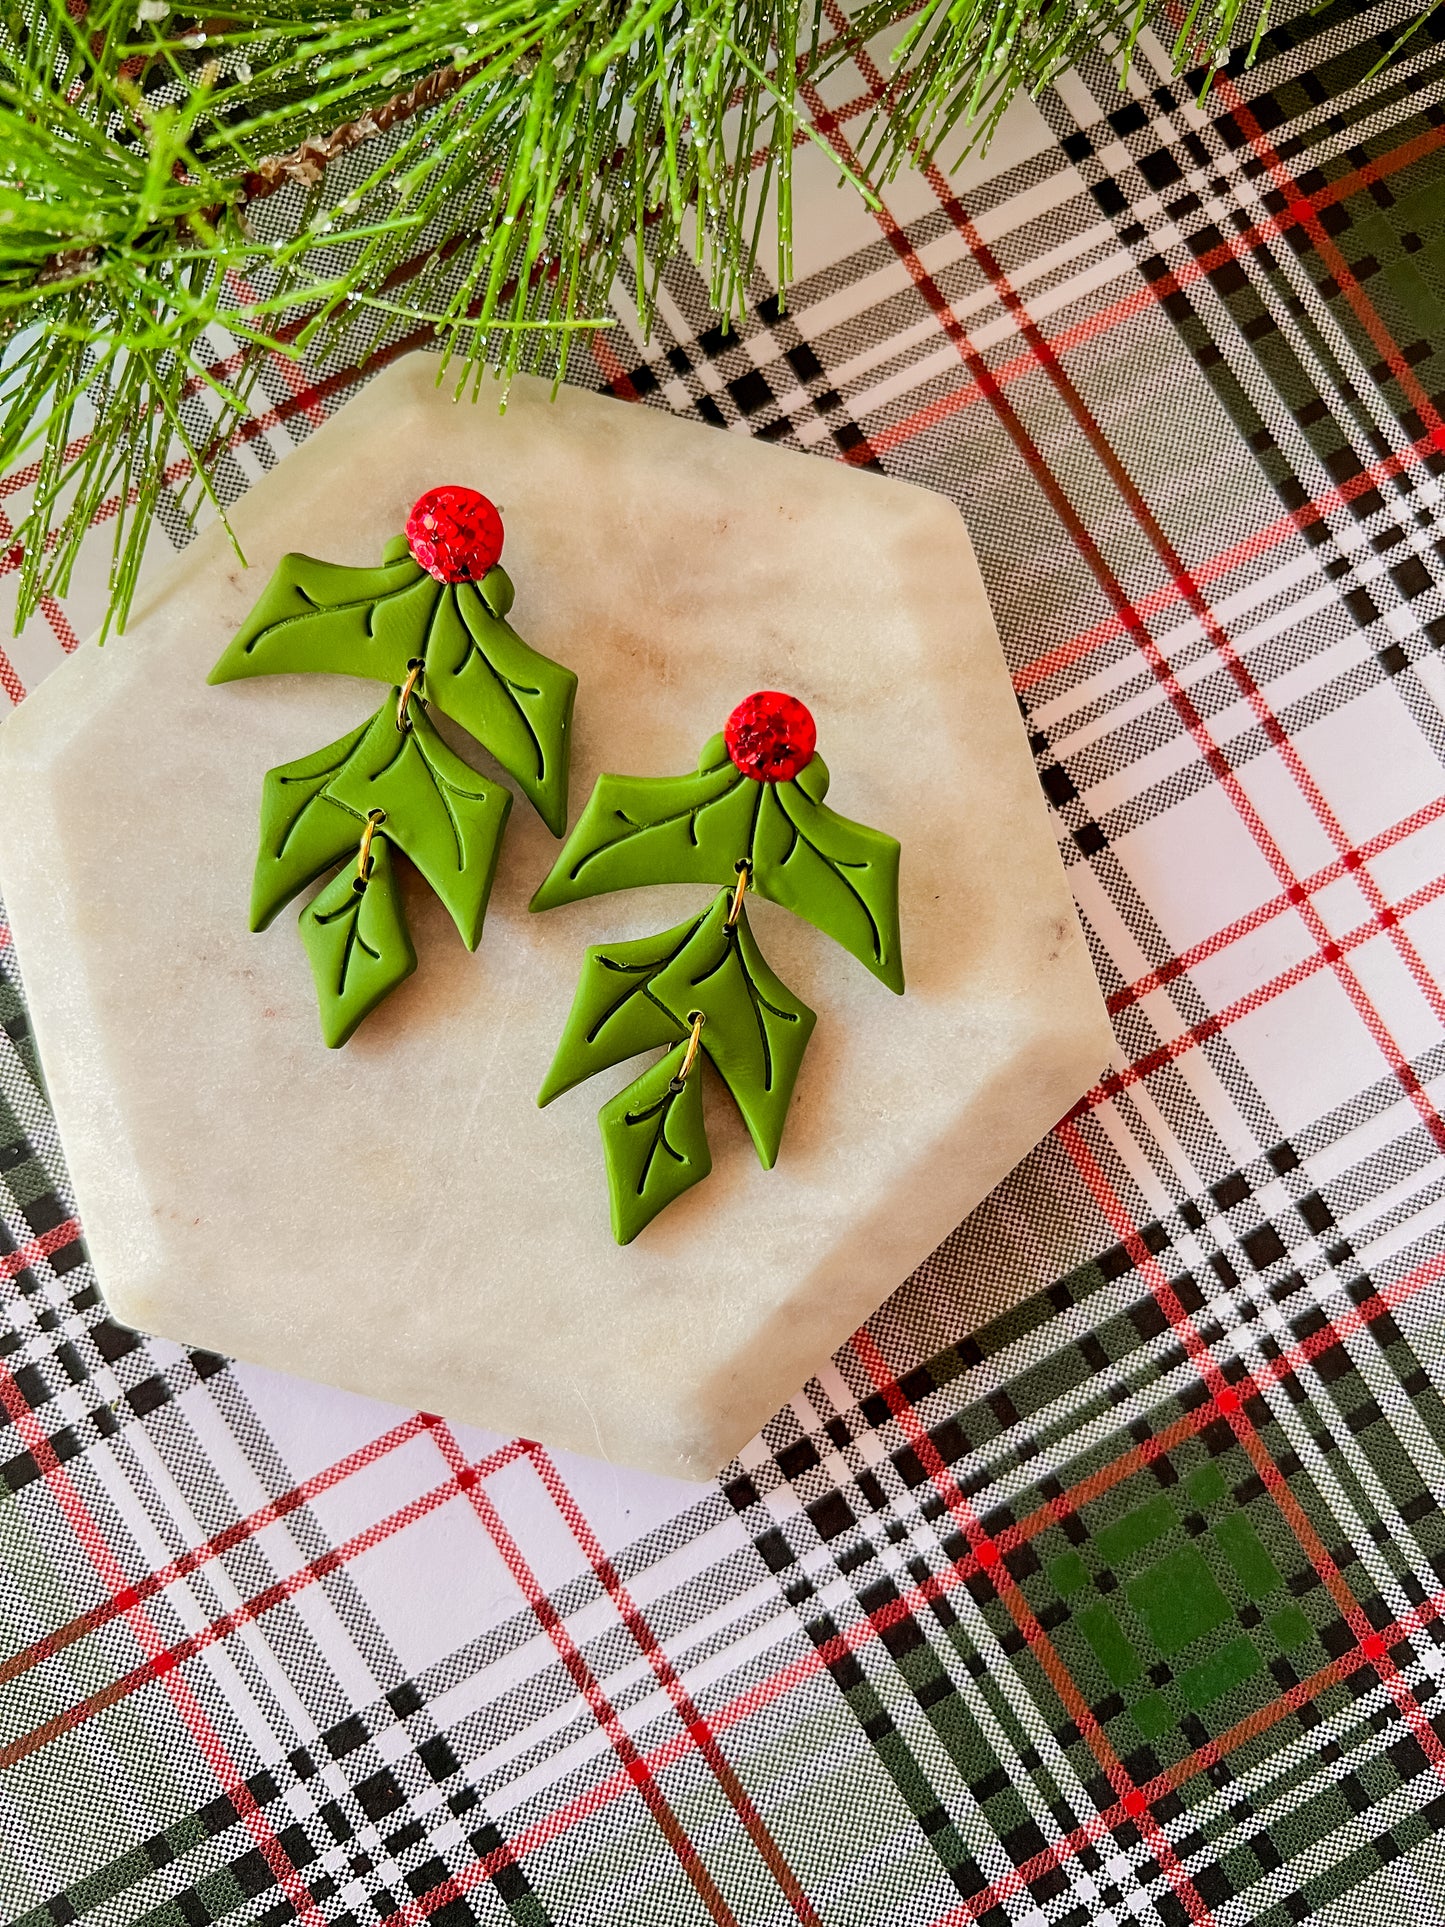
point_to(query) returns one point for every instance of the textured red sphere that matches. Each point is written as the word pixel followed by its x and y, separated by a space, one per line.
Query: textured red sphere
pixel 455 533
pixel 771 736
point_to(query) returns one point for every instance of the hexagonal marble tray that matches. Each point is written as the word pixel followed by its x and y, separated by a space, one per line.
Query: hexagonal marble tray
pixel 398 1216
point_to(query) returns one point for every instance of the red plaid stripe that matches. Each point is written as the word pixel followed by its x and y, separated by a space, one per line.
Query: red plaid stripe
pixel 194 1557
pixel 12 1263
pixel 107 1567
pixel 698 1728
pixel 1136 1458
pixel 636 1767
pixel 1100 1826
pixel 1227 561
pixel 162 1662
pixel 1387 919
pixel 1318 880
pixel 1192 594
pixel 1308 216
pixel 1244 246
pixel 990 1558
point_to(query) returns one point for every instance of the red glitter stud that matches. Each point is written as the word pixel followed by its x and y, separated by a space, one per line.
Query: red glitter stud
pixel 455 533
pixel 770 736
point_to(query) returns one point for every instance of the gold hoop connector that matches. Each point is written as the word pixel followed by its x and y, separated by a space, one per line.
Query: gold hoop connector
pixel 408 690
pixel 363 855
pixel 745 877
pixel 697 1019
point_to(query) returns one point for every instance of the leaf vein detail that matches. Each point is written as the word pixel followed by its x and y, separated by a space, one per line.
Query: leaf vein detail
pixel 688 815
pixel 852 888
pixel 370 603
pixel 508 688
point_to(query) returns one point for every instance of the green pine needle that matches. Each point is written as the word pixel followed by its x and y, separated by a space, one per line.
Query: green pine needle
pixel 476 169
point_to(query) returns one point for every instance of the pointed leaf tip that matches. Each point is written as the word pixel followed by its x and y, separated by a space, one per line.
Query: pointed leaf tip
pixel 840 875
pixel 358 943
pixel 324 616
pixel 517 702
pixel 654 1144
pixel 303 831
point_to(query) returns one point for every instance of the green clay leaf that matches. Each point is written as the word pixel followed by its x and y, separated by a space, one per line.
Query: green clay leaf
pixel 612 1017
pixel 515 701
pixel 638 830
pixel 323 616
pixel 358 943
pixel 756 1030
pixel 303 832
pixel 654 1144
pixel 496 590
pixel 439 812
pixel 840 875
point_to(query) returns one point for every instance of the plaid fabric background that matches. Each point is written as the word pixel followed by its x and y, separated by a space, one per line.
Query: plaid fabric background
pixel 1101 1579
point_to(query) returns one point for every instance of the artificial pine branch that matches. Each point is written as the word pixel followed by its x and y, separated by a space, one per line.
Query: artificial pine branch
pixel 183 194
pixel 306 164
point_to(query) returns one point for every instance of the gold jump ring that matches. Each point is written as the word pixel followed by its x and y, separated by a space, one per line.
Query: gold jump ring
pixel 363 855
pixel 408 690
pixel 697 1019
pixel 745 877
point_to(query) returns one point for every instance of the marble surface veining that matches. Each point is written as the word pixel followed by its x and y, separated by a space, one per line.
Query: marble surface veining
pixel 398 1216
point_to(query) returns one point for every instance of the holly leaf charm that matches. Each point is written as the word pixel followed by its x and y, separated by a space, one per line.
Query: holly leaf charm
pixel 751 814
pixel 637 830
pixel 322 616
pixel 303 831
pixel 840 875
pixel 358 943
pixel 654 1144
pixel 439 812
pixel 612 1016
pixel 756 1030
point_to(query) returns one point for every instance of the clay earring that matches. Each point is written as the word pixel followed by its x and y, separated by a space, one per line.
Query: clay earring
pixel 431 620
pixel 752 817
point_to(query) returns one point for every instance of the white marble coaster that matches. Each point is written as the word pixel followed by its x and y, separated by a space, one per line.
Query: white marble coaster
pixel 398 1216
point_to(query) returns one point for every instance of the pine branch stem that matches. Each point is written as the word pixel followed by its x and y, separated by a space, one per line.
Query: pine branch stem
pixel 303 165
pixel 526 153
pixel 306 164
